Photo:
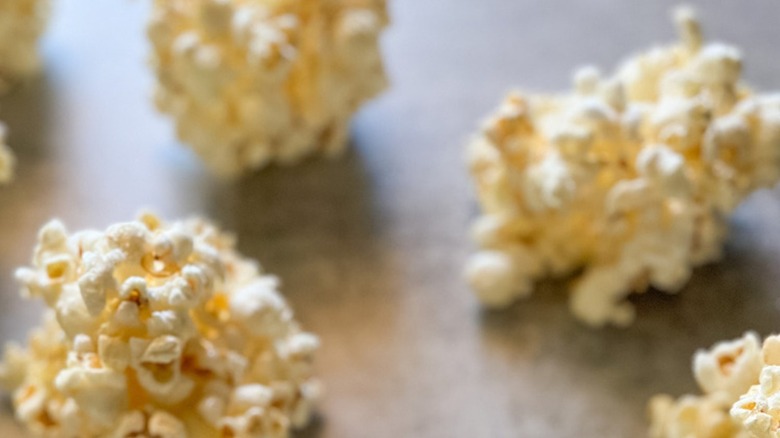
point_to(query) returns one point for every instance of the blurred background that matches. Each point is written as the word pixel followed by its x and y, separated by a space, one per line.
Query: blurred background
pixel 370 248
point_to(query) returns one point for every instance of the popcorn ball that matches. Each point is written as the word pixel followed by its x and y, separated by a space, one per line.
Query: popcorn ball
pixel 625 183
pixel 22 23
pixel 157 330
pixel 7 160
pixel 740 381
pixel 250 82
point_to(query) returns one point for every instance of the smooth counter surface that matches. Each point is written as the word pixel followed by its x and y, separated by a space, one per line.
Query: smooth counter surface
pixel 370 247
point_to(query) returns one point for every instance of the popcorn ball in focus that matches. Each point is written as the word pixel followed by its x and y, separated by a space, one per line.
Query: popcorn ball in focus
pixel 22 23
pixel 627 182
pixel 740 381
pixel 7 160
pixel 158 330
pixel 250 82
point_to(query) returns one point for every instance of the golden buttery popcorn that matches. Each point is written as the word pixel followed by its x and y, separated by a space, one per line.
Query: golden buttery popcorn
pixel 740 381
pixel 157 330
pixel 627 182
pixel 7 160
pixel 22 23
pixel 250 82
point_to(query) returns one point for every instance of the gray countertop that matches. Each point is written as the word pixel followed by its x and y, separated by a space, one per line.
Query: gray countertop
pixel 370 247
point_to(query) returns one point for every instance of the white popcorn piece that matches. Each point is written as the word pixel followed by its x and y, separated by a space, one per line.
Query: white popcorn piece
pixel 7 159
pixel 626 183
pixel 22 22
pixel 156 329
pixel 740 383
pixel 729 368
pixel 691 417
pixel 165 425
pixel 249 83
pixel 758 410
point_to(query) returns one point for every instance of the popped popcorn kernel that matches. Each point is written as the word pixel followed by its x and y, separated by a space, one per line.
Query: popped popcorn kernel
pixel 157 329
pixel 251 82
pixel 690 417
pixel 740 383
pixel 758 410
pixel 625 183
pixel 22 22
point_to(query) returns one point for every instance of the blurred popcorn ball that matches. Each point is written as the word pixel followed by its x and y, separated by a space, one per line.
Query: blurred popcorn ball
pixel 159 330
pixel 740 381
pixel 250 82
pixel 626 183
pixel 22 23
pixel 7 160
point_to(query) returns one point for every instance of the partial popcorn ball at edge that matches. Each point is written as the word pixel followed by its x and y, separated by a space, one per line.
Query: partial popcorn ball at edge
pixel 22 22
pixel 740 381
pixel 626 183
pixel 156 329
pixel 254 82
pixel 7 159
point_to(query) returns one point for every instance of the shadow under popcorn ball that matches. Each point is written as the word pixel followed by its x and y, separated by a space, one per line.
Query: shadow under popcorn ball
pixel 320 227
pixel 26 111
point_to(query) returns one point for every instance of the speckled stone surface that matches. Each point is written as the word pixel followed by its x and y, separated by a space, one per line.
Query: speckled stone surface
pixel 370 248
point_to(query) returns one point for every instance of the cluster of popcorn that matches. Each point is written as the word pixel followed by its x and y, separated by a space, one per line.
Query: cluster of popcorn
pixel 22 23
pixel 627 182
pixel 250 82
pixel 740 381
pixel 158 330
pixel 7 160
